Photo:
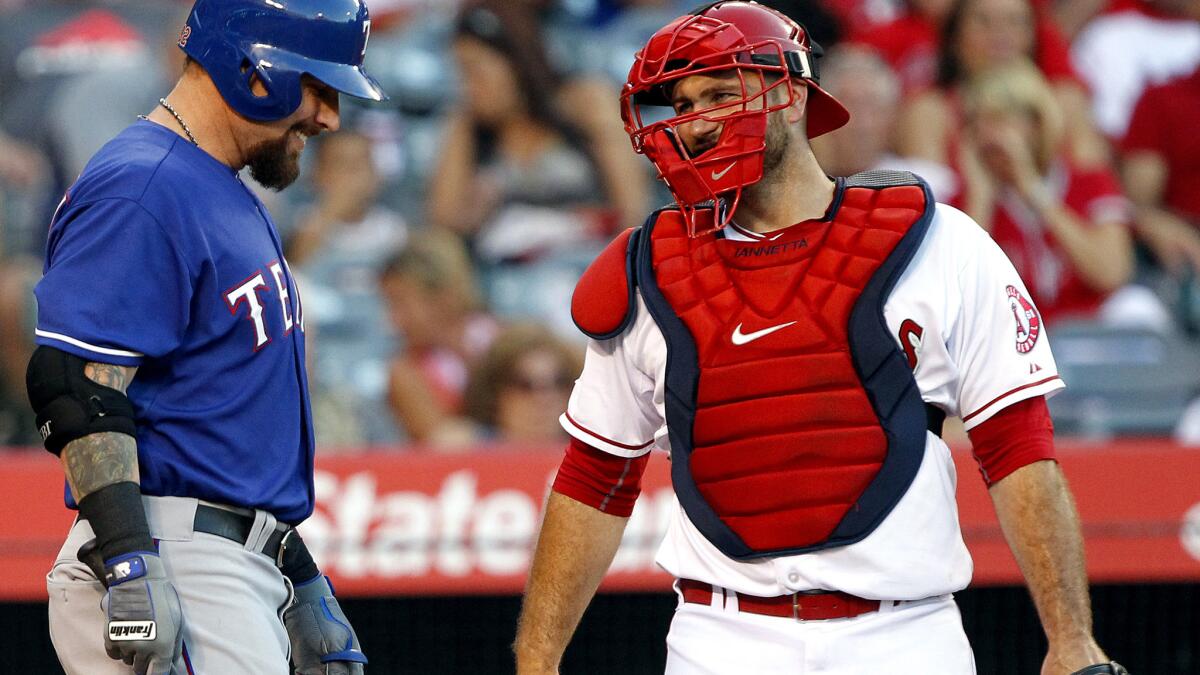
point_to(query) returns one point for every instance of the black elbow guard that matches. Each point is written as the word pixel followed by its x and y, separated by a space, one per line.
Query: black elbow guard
pixel 68 404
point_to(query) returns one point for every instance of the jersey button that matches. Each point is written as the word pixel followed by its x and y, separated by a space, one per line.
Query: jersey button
pixel 794 577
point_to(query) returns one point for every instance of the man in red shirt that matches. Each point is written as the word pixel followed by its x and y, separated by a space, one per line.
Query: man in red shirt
pixel 1161 169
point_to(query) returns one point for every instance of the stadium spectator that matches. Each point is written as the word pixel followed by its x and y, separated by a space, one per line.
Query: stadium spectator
pixel 1072 15
pixel 346 227
pixel 521 386
pixel 1064 228
pixel 23 175
pixel 337 250
pixel 863 82
pixel 434 303
pixel 17 277
pixel 1161 170
pixel 345 417
pixel 73 74
pixel 982 34
pixel 530 162
pixel 21 166
pixel 1118 55
pixel 909 43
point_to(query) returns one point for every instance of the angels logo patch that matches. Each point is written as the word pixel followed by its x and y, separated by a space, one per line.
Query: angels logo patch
pixel 1029 323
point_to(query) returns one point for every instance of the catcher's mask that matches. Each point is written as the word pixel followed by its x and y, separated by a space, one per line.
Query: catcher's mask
pixel 756 44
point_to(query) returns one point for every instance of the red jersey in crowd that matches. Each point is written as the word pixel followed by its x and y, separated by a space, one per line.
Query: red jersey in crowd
pixel 910 45
pixel 1094 195
pixel 1164 122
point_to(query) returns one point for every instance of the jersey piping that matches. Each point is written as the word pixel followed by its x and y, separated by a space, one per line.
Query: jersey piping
pixel 968 417
pixel 605 439
pixel 84 345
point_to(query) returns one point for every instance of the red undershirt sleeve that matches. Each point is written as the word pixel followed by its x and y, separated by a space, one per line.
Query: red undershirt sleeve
pixel 1020 434
pixel 599 479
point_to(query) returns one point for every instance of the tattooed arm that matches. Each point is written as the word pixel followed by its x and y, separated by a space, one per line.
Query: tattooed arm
pixel 104 458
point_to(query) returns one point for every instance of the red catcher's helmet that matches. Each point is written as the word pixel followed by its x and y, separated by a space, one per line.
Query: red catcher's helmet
pixel 753 40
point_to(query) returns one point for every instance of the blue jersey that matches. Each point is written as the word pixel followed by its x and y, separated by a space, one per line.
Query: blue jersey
pixel 160 257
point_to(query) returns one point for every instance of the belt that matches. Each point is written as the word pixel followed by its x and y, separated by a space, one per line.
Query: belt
pixel 806 606
pixel 235 527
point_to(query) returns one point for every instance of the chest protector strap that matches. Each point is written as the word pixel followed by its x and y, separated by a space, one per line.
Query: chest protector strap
pixel 795 422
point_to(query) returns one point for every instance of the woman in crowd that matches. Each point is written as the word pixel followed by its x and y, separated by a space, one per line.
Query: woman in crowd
pixel 346 225
pixel 981 34
pixel 521 386
pixel 434 304
pixel 1065 228
pixel 531 162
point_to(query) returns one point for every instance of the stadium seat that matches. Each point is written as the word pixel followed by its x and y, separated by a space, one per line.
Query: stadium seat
pixel 1122 381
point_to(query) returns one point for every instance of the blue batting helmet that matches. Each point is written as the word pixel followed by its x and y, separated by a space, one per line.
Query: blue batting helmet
pixel 279 41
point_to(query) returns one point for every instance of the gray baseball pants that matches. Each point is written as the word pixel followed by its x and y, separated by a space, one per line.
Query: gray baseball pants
pixel 232 597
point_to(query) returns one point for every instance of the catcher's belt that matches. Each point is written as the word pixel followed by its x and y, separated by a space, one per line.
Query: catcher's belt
pixel 802 606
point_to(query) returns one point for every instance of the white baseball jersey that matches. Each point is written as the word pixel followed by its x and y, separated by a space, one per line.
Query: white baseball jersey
pixel 979 346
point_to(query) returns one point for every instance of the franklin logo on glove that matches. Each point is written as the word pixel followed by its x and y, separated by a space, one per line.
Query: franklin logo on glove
pixel 131 630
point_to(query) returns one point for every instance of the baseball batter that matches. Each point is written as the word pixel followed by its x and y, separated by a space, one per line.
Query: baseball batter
pixel 170 373
pixel 795 342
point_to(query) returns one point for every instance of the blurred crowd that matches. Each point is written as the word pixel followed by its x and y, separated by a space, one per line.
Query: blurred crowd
pixel 437 238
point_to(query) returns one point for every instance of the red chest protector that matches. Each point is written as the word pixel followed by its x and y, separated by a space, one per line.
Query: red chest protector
pixel 795 422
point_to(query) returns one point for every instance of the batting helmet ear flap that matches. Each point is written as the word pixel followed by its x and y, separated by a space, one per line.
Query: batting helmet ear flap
pixel 282 86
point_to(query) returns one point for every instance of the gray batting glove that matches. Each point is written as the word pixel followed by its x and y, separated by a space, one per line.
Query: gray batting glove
pixel 323 642
pixel 144 617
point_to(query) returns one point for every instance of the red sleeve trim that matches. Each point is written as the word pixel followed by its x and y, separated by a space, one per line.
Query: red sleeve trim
pixel 599 479
pixel 1020 434
pixel 610 441
pixel 1010 392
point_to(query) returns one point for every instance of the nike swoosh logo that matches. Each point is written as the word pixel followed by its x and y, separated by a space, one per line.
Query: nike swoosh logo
pixel 718 175
pixel 740 338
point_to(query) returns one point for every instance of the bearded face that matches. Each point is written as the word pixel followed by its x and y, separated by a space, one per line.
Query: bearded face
pixel 275 163
pixel 272 165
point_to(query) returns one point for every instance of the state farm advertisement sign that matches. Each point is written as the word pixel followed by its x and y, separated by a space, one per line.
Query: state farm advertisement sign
pixel 415 523
pixel 459 524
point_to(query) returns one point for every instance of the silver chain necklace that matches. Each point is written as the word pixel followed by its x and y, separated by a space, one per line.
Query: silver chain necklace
pixel 182 124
